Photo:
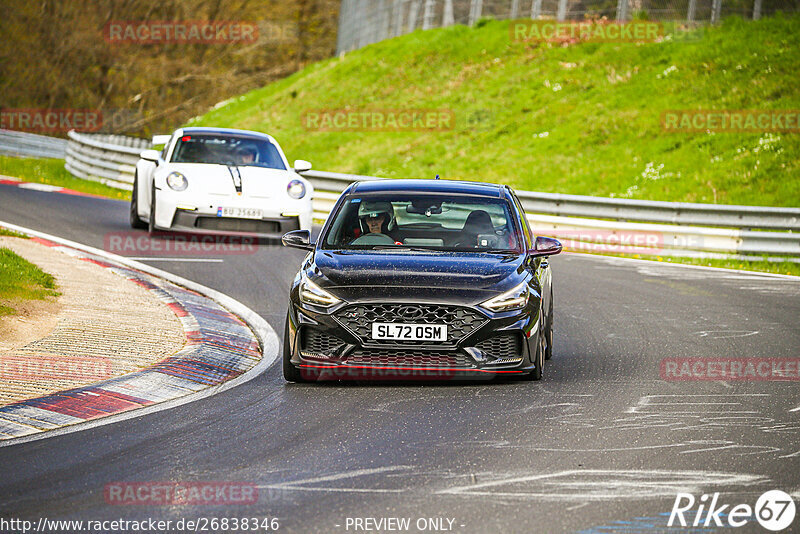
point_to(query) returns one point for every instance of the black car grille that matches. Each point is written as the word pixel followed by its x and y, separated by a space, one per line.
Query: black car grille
pixel 319 342
pixel 224 224
pixel 405 357
pixel 505 345
pixel 460 321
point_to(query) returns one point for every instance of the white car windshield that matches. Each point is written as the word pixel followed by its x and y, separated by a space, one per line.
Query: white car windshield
pixel 419 220
pixel 227 150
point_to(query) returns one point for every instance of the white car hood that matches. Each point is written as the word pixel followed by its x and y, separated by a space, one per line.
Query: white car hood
pixel 217 179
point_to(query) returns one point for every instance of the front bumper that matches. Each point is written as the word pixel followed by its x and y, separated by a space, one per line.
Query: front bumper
pixel 326 347
pixel 193 213
pixel 192 221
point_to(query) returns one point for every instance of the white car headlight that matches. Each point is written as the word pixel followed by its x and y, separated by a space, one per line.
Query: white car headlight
pixel 176 181
pixel 311 293
pixel 296 189
pixel 514 299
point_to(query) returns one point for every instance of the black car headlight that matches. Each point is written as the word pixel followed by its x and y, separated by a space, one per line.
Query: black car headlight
pixel 176 181
pixel 515 298
pixel 311 293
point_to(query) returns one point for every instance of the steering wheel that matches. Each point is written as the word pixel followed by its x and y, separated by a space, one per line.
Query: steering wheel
pixel 373 239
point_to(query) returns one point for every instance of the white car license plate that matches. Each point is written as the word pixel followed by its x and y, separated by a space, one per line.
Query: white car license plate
pixel 239 213
pixel 409 331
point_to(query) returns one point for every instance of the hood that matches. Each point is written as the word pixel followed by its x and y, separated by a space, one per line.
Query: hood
pixel 217 179
pixel 416 272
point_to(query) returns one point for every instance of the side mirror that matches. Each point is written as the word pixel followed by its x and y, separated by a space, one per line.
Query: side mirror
pixel 298 239
pixel 545 246
pixel 301 165
pixel 150 155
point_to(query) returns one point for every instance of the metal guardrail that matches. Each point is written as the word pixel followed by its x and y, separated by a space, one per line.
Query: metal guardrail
pixel 569 217
pixel 621 209
pixel 583 222
pixel 14 143
pixel 110 159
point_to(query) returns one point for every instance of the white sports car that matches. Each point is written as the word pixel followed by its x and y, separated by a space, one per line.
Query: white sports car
pixel 220 180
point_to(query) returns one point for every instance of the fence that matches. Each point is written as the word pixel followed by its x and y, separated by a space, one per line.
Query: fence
pixel 362 22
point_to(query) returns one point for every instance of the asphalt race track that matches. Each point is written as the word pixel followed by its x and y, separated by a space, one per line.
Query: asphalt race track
pixel 600 441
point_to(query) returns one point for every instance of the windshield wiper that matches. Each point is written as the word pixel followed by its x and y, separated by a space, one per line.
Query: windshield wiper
pixel 498 251
pixel 405 248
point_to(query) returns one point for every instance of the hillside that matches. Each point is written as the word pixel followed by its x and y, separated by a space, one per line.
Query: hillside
pixel 59 55
pixel 581 119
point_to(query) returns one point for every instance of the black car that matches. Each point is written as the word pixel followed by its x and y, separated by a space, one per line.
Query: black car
pixel 421 279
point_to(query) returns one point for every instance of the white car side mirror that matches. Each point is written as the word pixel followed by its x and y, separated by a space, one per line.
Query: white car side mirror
pixel 150 155
pixel 301 165
pixel 161 139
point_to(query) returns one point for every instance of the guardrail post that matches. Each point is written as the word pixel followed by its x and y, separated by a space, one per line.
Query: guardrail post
pixel 448 19
pixel 397 17
pixel 622 10
pixel 690 14
pixel 383 20
pixel 427 17
pixel 514 14
pixel 757 9
pixel 562 10
pixel 413 12
pixel 716 10
pixel 475 11
pixel 536 9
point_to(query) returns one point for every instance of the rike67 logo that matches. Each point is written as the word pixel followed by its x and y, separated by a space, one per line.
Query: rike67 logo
pixel 774 510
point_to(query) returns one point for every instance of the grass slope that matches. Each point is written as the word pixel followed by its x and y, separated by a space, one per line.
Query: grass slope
pixel 581 119
pixel 52 172
pixel 21 280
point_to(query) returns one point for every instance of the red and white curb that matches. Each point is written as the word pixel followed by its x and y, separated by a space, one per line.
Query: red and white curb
pixel 227 344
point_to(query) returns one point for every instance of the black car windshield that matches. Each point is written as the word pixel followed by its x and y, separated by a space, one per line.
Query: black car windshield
pixel 227 150
pixel 423 221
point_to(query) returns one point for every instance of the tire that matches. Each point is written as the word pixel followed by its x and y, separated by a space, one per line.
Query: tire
pixel 538 373
pixel 290 372
pixel 151 222
pixel 549 337
pixel 135 220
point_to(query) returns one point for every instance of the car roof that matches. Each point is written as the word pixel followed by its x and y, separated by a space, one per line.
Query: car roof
pixel 223 131
pixel 430 186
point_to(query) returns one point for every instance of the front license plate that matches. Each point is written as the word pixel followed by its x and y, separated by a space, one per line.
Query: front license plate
pixel 239 213
pixel 409 331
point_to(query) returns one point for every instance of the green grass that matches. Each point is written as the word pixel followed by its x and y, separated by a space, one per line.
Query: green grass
pixel 52 171
pixel 21 280
pixel 582 119
pixel 11 233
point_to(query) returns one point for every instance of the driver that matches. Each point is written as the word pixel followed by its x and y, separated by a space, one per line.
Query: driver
pixel 376 217
pixel 247 155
